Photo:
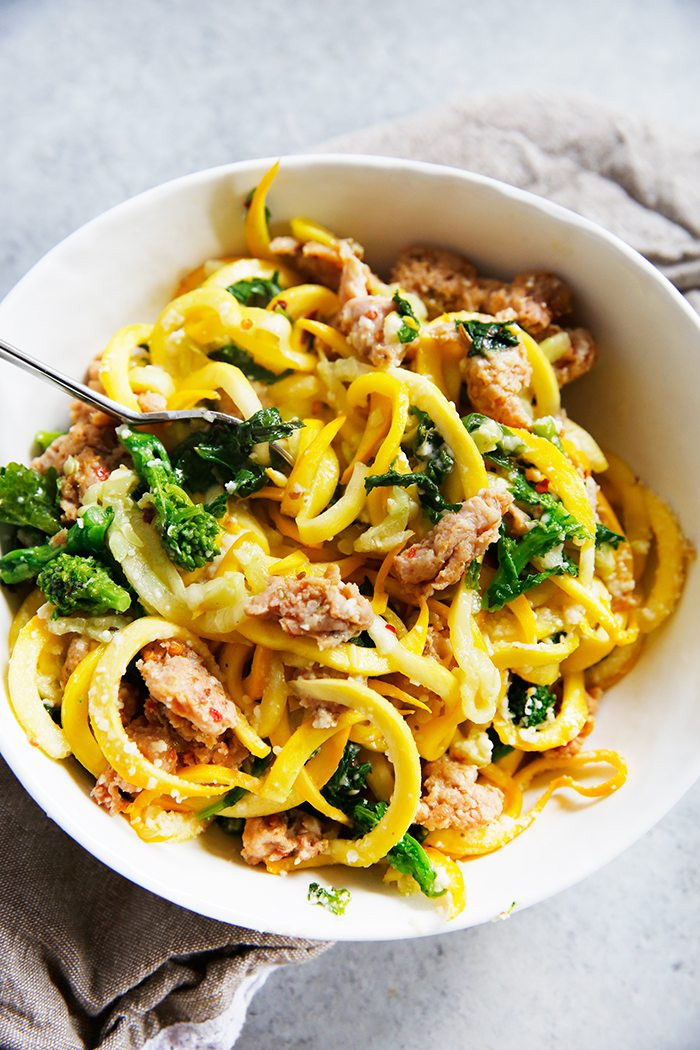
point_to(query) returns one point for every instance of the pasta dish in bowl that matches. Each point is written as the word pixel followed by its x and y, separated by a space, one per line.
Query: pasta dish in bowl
pixel 371 625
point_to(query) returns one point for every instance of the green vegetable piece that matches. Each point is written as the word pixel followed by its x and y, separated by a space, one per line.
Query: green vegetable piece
pixel 432 501
pixel 348 781
pixel 29 498
pixel 488 337
pixel 74 584
pixel 604 535
pixel 256 291
pixel 472 575
pixel 236 355
pixel 187 531
pixel 510 579
pixel 221 455
pixel 526 493
pixel 410 326
pixel 407 856
pixel 87 536
pixel 495 440
pixel 546 427
pixel 44 438
pixel 257 767
pixel 498 749
pixel 334 900
pixel 529 704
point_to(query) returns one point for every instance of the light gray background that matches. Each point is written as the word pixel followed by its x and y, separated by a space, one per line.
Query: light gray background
pixel 101 99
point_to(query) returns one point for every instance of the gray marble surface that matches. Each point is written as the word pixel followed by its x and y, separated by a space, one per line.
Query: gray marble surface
pixel 99 100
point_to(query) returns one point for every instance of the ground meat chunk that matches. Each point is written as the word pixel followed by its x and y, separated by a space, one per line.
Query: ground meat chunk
pixel 319 607
pixel 88 453
pixel 533 299
pixel 496 383
pixel 579 359
pixel 111 792
pixel 177 677
pixel 318 263
pixel 445 281
pixel 442 556
pixel 325 714
pixel 78 647
pixel 281 835
pixel 362 317
pixel 453 799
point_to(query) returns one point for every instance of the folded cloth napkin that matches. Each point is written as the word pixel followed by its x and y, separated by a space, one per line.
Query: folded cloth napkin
pixel 89 960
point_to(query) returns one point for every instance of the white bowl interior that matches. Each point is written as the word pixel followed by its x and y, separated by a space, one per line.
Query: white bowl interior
pixel 640 400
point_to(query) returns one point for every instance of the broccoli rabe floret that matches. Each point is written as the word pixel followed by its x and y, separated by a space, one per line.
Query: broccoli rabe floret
pixel 74 584
pixel 188 532
pixel 28 498
pixel 334 900
pixel 87 536
pixel 529 704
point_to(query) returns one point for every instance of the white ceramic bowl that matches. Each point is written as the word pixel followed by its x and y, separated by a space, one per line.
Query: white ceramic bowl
pixel 640 400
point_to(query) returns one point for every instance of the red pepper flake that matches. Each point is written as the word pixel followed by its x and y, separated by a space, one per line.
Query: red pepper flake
pixel 542 486
pixel 216 716
pixel 411 552
pixel 246 323
pixel 101 472
pixel 390 628
pixel 281 304
pixel 372 315
pixel 301 575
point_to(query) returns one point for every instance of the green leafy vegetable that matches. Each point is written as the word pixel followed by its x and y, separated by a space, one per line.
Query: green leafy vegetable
pixel 472 575
pixel 29 498
pixel 410 326
pixel 498 749
pixel 257 767
pixel 529 704
pixel 334 900
pixel 513 557
pixel 87 536
pixel 432 501
pixel 407 856
pixel 546 427
pixel 495 440
pixel 187 531
pixel 526 493
pixel 221 454
pixel 604 535
pixel 349 779
pixel 236 355
pixel 256 291
pixel 75 584
pixel 488 337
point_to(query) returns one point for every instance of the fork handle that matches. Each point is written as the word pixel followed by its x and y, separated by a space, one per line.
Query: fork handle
pixel 84 393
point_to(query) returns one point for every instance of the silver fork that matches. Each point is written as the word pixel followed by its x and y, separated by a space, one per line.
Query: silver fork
pixel 95 399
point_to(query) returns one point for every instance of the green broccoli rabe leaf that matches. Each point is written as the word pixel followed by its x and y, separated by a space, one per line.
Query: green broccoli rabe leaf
pixel 495 440
pixel 257 768
pixel 189 534
pixel 410 326
pixel 236 355
pixel 513 557
pixel 604 535
pixel 348 781
pixel 87 536
pixel 529 704
pixel 472 575
pixel 29 498
pixel 256 291
pixel 74 584
pixel 335 900
pixel 498 749
pixel 432 501
pixel 488 337
pixel 428 447
pixel 526 493
pixel 217 507
pixel 407 856
pixel 221 454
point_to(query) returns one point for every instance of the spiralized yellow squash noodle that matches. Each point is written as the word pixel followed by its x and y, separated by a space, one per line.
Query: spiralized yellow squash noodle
pixel 371 625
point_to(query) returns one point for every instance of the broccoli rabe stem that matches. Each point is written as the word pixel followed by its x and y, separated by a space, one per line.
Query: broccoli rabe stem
pixel 188 532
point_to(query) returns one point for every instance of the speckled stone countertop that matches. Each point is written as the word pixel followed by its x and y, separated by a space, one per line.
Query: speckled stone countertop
pixel 101 100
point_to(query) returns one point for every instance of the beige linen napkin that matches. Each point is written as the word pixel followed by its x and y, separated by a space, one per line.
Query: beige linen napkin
pixel 88 959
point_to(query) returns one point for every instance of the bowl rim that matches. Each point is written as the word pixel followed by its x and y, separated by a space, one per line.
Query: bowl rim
pixel 311 925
